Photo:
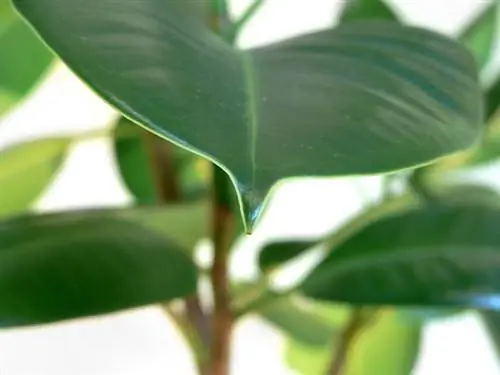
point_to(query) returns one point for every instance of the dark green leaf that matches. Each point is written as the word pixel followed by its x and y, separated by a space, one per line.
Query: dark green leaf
pixel 26 170
pixel 388 345
pixel 438 256
pixel 70 265
pixel 360 99
pixel 479 35
pixel 276 253
pixel 358 10
pixel 493 100
pixel 134 154
pixel 24 61
pixel 298 322
pixel 492 321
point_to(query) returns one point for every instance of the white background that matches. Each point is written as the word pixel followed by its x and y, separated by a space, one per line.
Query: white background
pixel 143 341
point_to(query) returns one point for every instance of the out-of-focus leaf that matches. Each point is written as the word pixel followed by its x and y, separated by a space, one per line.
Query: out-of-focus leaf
pixel 358 10
pixel 491 320
pixel 367 98
pixel 427 315
pixel 493 100
pixel 442 255
pixel 70 265
pixel 276 253
pixel 6 15
pixel 479 35
pixel 298 322
pixel 188 223
pixel 134 148
pixel 388 345
pixel 24 61
pixel 26 170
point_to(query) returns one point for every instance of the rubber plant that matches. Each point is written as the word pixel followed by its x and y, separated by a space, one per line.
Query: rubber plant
pixel 207 131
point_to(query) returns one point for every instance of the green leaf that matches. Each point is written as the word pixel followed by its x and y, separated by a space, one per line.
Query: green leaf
pixel 70 265
pixel 492 321
pixel 24 61
pixel 134 158
pixel 388 346
pixel 437 256
pixel 26 170
pixel 6 15
pixel 479 35
pixel 188 223
pixel 360 99
pixel 358 10
pixel 493 100
pixel 297 321
pixel 274 254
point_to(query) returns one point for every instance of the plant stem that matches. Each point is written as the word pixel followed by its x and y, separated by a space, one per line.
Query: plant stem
pixel 194 324
pixel 222 319
pixel 245 17
pixel 341 346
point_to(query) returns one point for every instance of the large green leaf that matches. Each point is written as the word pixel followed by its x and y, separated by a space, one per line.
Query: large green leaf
pixel 26 170
pixel 24 61
pixel 438 256
pixel 70 265
pixel 137 150
pixel 360 99
pixel 479 35
pixel 358 10
pixel 386 346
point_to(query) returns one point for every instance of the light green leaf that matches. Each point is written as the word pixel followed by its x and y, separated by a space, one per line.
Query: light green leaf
pixel 443 255
pixel 26 170
pixel 386 346
pixel 360 99
pixel 24 61
pixel 298 322
pixel 71 265
pixel 359 10
pixel 479 35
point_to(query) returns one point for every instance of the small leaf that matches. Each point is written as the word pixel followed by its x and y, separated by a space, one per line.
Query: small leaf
pixel 360 99
pixel 134 159
pixel 71 265
pixel 358 10
pixel 276 253
pixel 26 170
pixel 492 321
pixel 437 256
pixel 24 61
pixel 188 223
pixel 297 321
pixel 479 35
pixel 386 346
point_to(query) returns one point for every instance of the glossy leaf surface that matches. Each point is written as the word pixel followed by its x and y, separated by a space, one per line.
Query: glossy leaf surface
pixel 24 61
pixel 358 10
pixel 386 346
pixel 26 170
pixel 479 35
pixel 439 256
pixel 359 99
pixel 70 265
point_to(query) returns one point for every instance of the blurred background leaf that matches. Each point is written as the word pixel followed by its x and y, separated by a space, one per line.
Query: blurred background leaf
pixel 69 265
pixel 358 10
pixel 26 170
pixel 386 345
pixel 24 61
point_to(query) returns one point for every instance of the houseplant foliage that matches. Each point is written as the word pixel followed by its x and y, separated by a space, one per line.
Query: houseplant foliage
pixel 206 132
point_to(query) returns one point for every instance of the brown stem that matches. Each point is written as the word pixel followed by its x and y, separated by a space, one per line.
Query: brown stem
pixel 167 188
pixel 341 346
pixel 222 320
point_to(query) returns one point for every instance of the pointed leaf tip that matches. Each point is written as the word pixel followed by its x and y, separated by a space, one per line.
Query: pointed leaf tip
pixel 252 207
